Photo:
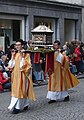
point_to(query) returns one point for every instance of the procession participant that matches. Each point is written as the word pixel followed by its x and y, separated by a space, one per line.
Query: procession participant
pixel 60 77
pixel 22 86
pixel 37 59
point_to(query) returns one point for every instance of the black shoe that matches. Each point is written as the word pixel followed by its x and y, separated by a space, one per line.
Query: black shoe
pixel 25 108
pixel 66 99
pixel 15 111
pixel 52 101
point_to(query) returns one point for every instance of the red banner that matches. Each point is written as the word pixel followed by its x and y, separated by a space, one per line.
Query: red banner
pixel 36 57
pixel 50 62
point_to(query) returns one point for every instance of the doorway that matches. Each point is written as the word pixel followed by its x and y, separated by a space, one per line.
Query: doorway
pixel 69 30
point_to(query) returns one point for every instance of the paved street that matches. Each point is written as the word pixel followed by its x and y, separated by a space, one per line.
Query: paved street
pixel 41 110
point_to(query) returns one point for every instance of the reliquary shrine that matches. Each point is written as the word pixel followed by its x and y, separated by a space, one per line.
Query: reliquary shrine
pixel 41 36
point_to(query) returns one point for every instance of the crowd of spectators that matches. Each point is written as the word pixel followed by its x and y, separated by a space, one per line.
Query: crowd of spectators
pixel 75 54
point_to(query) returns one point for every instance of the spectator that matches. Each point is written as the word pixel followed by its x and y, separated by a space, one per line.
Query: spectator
pixel 77 57
pixel 1 51
pixel 4 64
pixel 8 52
pixel 4 83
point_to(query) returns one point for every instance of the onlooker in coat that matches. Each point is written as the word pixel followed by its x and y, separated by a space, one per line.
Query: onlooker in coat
pixel 4 64
pixel 4 83
pixel 77 58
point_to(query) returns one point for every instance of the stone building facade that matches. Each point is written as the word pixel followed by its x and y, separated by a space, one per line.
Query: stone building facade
pixel 82 25
pixel 18 18
pixel 77 2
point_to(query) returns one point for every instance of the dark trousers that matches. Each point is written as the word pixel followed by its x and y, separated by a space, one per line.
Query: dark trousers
pixel 7 85
pixel 78 66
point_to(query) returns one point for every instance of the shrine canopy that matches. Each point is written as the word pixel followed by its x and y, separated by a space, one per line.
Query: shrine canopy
pixel 42 28
pixel 42 35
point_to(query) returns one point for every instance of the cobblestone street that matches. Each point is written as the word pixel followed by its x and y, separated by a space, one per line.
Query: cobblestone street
pixel 41 110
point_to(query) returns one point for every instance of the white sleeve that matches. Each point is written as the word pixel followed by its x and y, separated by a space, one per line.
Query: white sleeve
pixel 21 63
pixel 12 63
pixel 59 58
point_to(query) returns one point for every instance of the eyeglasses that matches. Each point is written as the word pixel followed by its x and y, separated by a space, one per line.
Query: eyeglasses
pixel 12 50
